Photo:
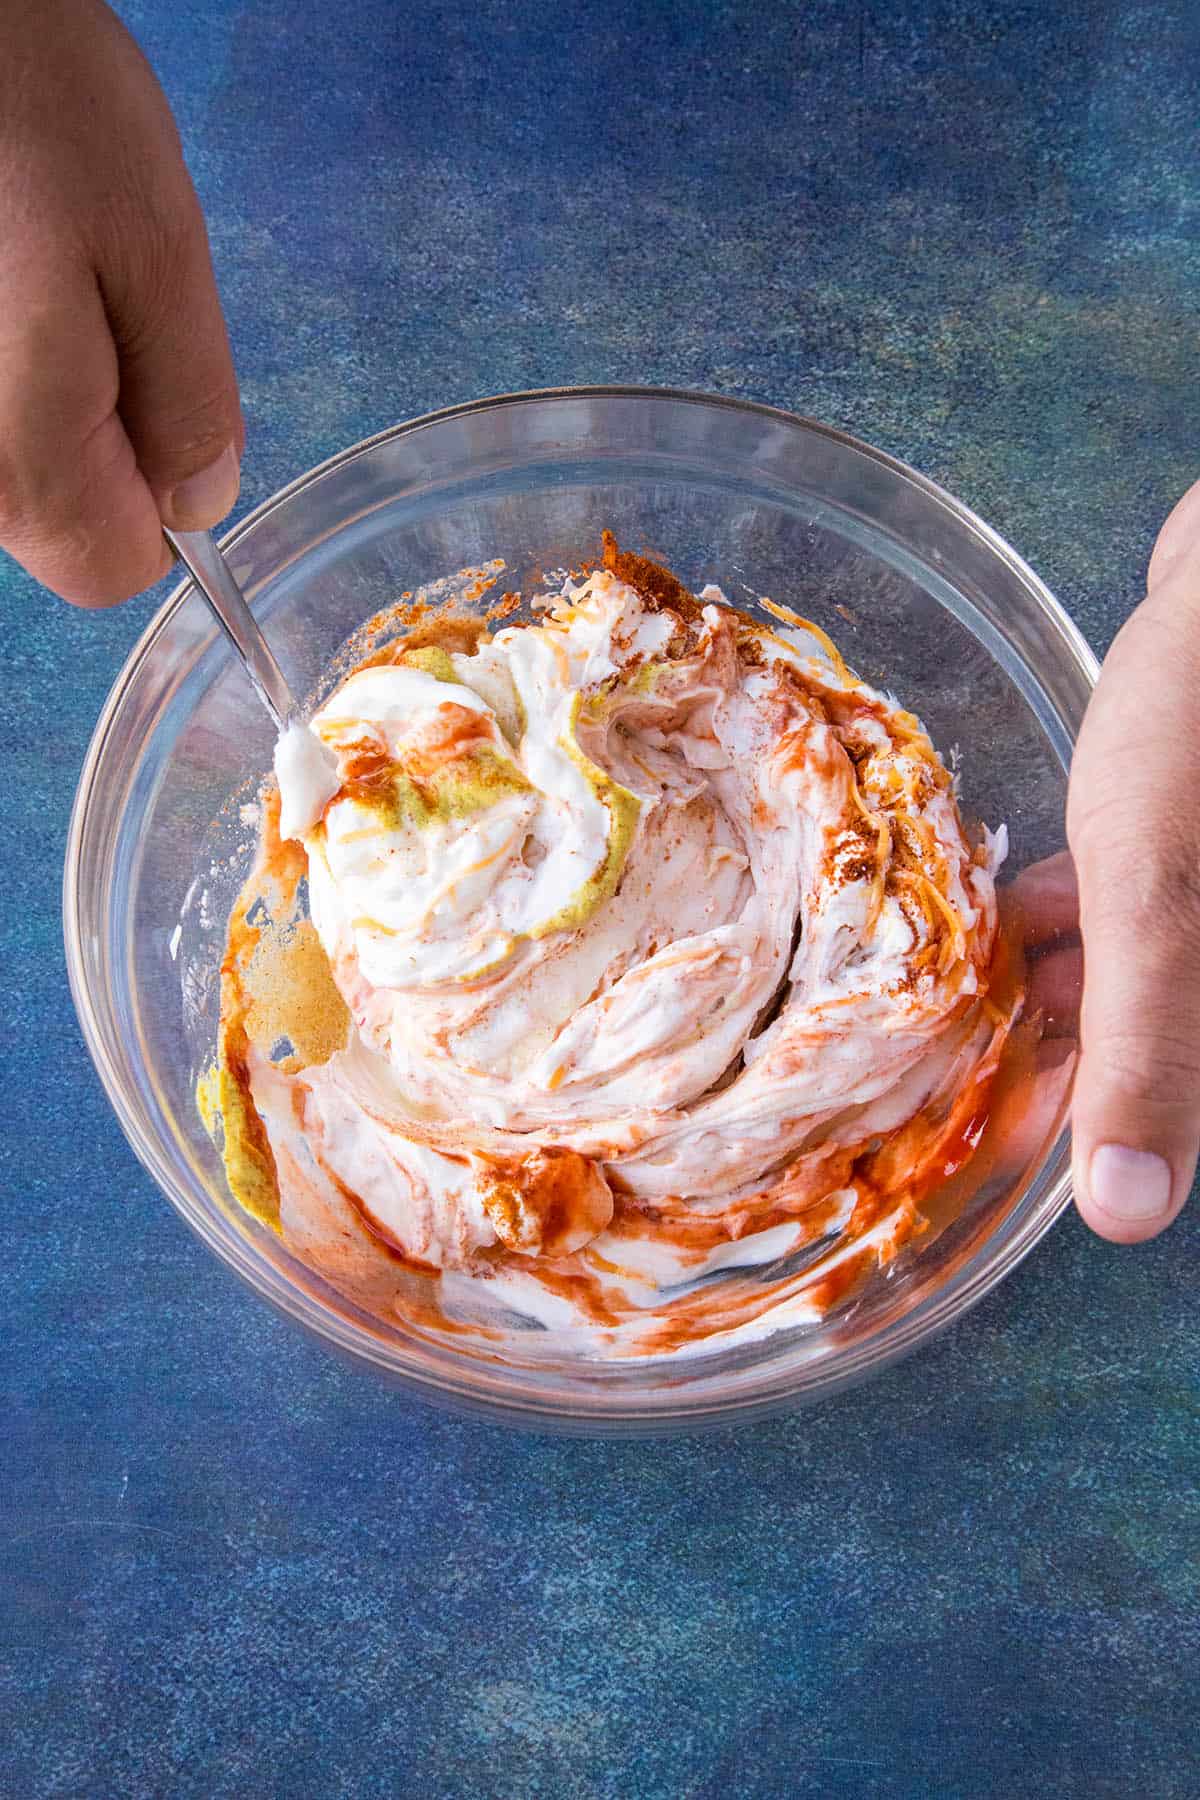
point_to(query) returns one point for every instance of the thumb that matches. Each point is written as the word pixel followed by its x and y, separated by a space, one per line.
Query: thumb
pixel 1133 833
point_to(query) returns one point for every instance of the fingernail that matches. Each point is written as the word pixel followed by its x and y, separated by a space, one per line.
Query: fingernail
pixel 1132 1185
pixel 204 499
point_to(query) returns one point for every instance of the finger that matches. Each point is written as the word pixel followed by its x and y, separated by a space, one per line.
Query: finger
pixel 74 507
pixel 1179 535
pixel 1045 899
pixel 1054 989
pixel 1131 825
pixel 179 397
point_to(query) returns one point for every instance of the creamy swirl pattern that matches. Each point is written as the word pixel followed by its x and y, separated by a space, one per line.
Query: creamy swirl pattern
pixel 666 953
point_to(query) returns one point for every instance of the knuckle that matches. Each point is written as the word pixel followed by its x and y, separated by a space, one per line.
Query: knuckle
pixel 197 430
pixel 85 533
pixel 1162 904
pixel 147 227
pixel 1156 632
pixel 35 507
pixel 84 567
pixel 166 259
pixel 1154 1066
pixel 1143 875
pixel 57 400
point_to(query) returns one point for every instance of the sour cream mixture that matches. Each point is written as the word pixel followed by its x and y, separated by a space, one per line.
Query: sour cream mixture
pixel 665 953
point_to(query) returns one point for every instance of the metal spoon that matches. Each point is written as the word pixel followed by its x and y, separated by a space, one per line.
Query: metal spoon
pixel 305 769
pixel 199 552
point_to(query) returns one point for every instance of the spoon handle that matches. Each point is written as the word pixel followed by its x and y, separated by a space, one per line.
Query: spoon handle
pixel 199 552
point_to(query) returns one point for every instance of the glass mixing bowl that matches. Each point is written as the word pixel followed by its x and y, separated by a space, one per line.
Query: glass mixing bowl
pixel 923 599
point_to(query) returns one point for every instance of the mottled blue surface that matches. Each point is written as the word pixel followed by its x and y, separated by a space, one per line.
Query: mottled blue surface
pixel 230 1566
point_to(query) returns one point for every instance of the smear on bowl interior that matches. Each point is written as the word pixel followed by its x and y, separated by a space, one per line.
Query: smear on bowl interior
pixel 640 981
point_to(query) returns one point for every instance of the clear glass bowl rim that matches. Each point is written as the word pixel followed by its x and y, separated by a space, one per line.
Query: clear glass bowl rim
pixel 665 1410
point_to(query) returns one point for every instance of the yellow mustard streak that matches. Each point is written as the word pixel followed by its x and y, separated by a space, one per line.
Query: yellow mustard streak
pixel 470 784
pixel 434 661
pixel 624 810
pixel 644 679
pixel 249 1163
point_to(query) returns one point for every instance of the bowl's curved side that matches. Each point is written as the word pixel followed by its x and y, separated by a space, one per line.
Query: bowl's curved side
pixel 178 662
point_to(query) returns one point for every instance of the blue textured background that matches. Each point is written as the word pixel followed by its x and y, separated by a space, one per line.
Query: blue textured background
pixel 230 1566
